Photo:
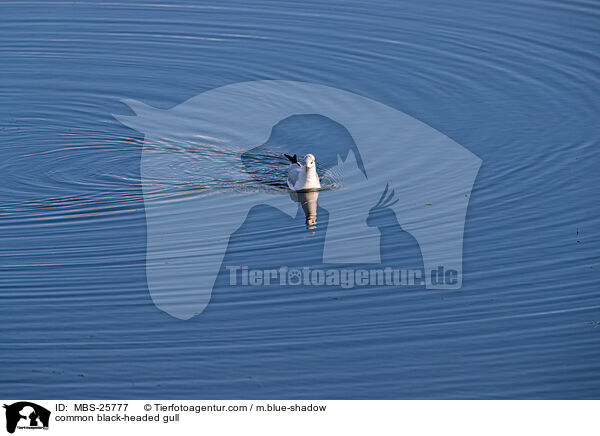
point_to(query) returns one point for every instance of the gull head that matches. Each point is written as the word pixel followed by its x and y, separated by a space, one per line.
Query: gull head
pixel 309 161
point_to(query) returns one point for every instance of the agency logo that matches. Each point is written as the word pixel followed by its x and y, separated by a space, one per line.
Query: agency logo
pixel 26 415
pixel 395 175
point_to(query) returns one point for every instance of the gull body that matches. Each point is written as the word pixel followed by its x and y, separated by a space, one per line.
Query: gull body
pixel 303 177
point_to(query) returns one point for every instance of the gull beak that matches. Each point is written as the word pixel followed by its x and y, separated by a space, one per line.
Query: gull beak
pixel 306 169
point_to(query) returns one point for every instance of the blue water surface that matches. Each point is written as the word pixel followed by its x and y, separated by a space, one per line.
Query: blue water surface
pixel 515 82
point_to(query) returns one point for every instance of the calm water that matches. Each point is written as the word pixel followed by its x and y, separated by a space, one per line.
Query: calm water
pixel 516 83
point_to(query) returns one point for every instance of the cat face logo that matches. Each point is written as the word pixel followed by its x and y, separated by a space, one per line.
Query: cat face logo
pixel 26 415
pixel 198 144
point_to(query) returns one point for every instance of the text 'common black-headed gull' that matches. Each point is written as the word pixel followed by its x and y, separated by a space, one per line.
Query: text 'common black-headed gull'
pixel 303 178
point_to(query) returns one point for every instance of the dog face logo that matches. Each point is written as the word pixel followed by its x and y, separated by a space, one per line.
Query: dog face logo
pixel 26 415
pixel 196 147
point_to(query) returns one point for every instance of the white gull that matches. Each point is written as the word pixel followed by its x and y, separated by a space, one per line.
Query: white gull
pixel 303 178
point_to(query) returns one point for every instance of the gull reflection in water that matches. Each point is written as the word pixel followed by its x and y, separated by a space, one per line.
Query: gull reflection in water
pixel 308 201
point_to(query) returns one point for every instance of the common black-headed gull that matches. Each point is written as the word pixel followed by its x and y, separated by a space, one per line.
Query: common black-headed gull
pixel 303 178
